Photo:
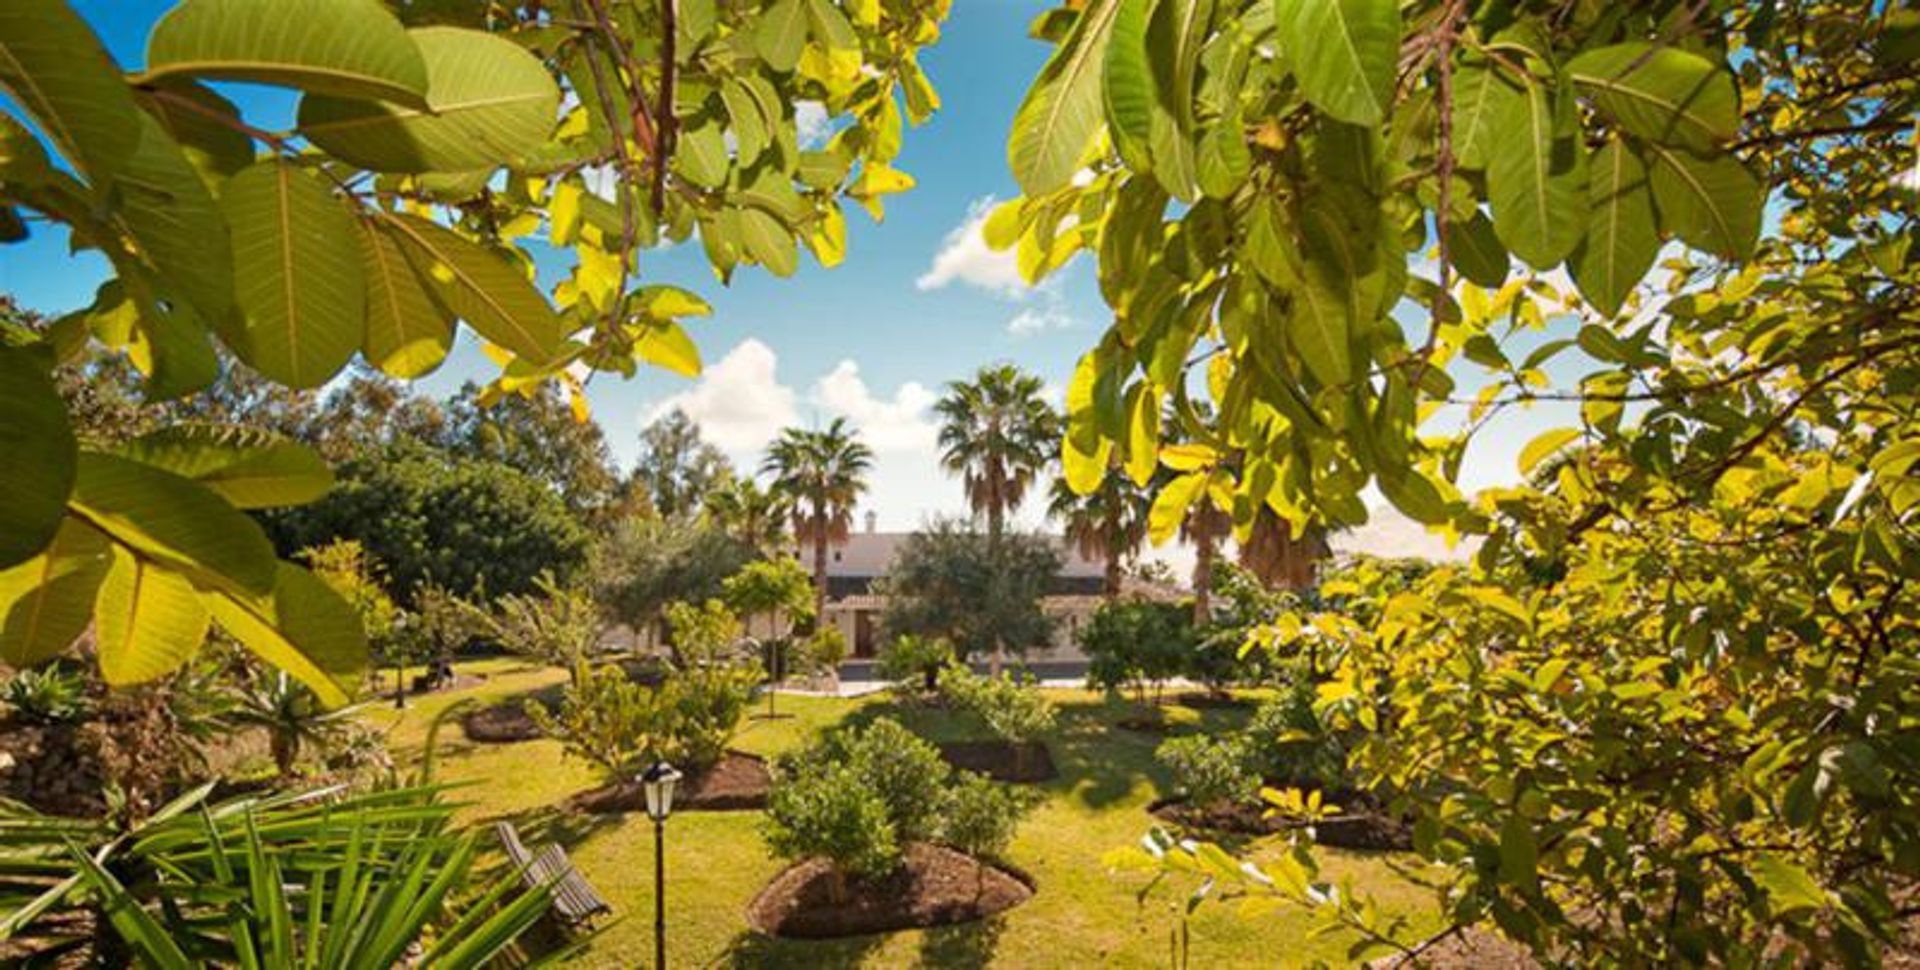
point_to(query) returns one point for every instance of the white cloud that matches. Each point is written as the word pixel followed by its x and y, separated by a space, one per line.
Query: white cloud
pixel 812 123
pixel 902 423
pixel 1033 320
pixel 738 402
pixel 964 257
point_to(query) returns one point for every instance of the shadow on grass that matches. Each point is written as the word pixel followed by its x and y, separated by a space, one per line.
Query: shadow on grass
pixel 967 945
pixel 549 823
pixel 756 950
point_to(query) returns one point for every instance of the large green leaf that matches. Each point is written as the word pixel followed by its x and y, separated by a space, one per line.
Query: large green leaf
pixel 148 620
pixel 47 601
pixel 250 468
pixel 1176 31
pixel 1664 94
pixel 768 242
pixel 1536 182
pixel 304 628
pixel 490 293
pixel 1062 111
pixel 298 281
pixel 1621 242
pixel 173 220
pixel 1343 54
pixel 1128 85
pixel 1712 204
pixel 350 48
pixel 35 435
pixel 489 102
pixel 203 123
pixel 173 520
pixel 1477 91
pixel 51 62
pixel 1170 507
pixel 782 34
pixel 1473 247
pixel 408 330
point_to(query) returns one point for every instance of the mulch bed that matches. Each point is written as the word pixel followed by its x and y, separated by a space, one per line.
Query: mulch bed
pixel 1201 700
pixel 1471 949
pixel 1001 760
pixel 738 782
pixel 1362 829
pixel 1144 725
pixel 500 724
pixel 935 886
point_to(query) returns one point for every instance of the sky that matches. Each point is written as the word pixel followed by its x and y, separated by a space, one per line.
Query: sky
pixel 919 301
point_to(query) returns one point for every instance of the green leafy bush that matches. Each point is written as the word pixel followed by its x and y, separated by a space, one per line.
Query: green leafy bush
pixel 1137 644
pixel 607 719
pixel 1012 708
pixel 1209 771
pixel 825 650
pixel 826 811
pixel 982 814
pixel 45 695
pixel 913 663
pixel 706 711
pixel 857 796
pixel 1289 745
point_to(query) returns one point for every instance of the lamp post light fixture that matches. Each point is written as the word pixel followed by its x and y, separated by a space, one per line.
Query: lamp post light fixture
pixel 657 783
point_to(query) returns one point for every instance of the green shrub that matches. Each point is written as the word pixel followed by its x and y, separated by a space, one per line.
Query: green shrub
pixel 824 810
pixel 605 718
pixel 1208 770
pixel 901 768
pixel 913 663
pixel 825 650
pixel 1132 644
pixel 982 815
pixel 45 695
pixel 707 707
pixel 1013 709
pixel 1288 744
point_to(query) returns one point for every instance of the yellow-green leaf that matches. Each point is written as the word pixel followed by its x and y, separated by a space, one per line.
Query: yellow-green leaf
pixel 298 281
pixel 1170 506
pixel 47 601
pixel 1061 113
pixel 303 628
pixel 148 620
pixel 38 472
pixel 489 102
pixel 667 345
pixel 409 331
pixel 1621 241
pixel 350 48
pixel 51 63
pixel 173 520
pixel 1661 93
pixel 1343 54
pixel 491 294
pixel 1545 445
pixel 250 468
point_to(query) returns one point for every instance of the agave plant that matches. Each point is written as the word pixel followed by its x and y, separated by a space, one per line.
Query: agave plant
pixel 294 718
pixel 316 879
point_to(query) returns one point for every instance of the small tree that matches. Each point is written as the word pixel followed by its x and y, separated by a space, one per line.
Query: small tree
pixel 913 663
pixel 1210 771
pixel 612 722
pixel 294 719
pixel 438 624
pixel 951 581
pixel 779 590
pixel 824 811
pixel 1012 708
pixel 1136 644
pixel 347 567
pixel 982 815
pixel 554 625
pixel 824 650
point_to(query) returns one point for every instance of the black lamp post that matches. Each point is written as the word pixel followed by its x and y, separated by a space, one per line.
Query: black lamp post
pixel 657 782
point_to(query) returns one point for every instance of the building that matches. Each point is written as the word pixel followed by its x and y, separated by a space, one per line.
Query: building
pixel 856 608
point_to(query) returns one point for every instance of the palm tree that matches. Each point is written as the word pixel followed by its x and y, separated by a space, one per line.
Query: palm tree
pixel 822 473
pixel 755 516
pixel 998 434
pixel 1278 558
pixel 1108 523
pixel 1204 527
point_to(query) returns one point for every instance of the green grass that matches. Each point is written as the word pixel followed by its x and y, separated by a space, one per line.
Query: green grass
pixel 1082 915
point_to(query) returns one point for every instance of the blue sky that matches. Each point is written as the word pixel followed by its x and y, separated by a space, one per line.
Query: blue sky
pixel 918 301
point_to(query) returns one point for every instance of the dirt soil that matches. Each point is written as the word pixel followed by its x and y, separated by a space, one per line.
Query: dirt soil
pixel 1002 760
pixel 738 782
pixel 500 724
pixel 935 886
pixel 1200 699
pixel 1362 829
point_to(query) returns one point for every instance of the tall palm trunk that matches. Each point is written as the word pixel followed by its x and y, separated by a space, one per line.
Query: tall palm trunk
pixel 1203 554
pixel 1110 524
pixel 996 522
pixel 819 578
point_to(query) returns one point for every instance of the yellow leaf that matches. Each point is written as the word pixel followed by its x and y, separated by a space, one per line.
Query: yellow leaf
pixel 1170 506
pixel 1188 457
pixel 1545 445
pixel 563 214
pixel 668 346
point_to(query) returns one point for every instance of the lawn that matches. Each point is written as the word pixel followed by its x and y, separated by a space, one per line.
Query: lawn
pixel 1082 915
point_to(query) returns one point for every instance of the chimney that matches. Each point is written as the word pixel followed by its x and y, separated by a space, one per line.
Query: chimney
pixel 873 521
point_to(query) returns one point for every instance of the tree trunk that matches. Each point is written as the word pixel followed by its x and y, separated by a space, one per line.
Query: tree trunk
pixel 995 522
pixel 1203 573
pixel 1112 580
pixel 820 578
pixel 836 885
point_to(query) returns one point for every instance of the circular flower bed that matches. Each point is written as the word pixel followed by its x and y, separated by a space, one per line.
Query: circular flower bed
pixel 934 886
